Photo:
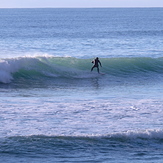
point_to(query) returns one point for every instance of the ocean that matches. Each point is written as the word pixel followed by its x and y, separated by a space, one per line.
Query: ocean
pixel 54 109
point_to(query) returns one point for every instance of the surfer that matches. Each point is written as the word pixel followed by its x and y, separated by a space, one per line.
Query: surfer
pixel 96 63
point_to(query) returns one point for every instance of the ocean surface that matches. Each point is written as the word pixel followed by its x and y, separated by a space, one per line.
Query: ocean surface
pixel 54 109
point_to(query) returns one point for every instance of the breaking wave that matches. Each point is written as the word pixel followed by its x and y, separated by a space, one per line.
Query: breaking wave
pixel 69 67
pixel 43 145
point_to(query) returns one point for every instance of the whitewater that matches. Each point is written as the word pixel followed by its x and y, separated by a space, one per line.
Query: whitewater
pixel 54 109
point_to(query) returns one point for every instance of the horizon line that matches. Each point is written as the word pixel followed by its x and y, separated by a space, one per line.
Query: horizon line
pixel 73 7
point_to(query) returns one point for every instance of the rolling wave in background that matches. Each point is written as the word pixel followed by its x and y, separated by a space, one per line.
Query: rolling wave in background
pixel 138 143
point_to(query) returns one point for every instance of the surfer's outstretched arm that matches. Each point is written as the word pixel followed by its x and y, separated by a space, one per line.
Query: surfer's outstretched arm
pixel 100 63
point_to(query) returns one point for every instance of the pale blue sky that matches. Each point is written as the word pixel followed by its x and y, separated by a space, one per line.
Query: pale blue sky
pixel 79 3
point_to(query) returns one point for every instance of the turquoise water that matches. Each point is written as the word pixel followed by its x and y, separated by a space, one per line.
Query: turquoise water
pixel 54 109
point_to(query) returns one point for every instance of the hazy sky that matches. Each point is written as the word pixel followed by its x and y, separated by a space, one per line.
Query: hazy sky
pixel 79 3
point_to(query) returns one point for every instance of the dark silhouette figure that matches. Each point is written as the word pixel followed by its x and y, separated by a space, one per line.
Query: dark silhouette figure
pixel 96 63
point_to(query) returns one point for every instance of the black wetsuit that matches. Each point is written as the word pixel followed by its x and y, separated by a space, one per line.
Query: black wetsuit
pixel 96 62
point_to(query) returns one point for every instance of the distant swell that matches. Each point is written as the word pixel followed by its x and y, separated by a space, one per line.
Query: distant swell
pixel 68 67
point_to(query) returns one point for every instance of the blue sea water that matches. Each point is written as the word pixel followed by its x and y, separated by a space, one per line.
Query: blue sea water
pixel 53 109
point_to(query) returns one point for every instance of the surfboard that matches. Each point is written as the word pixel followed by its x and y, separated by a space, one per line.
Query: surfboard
pixel 101 73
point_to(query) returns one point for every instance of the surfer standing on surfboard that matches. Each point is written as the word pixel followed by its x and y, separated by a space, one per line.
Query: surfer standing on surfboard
pixel 96 63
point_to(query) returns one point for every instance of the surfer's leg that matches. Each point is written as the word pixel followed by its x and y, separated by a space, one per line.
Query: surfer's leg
pixel 98 70
pixel 92 68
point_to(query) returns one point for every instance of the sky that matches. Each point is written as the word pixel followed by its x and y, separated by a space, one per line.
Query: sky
pixel 78 3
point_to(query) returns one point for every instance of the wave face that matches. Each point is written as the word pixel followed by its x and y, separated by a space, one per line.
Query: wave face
pixel 134 145
pixel 73 68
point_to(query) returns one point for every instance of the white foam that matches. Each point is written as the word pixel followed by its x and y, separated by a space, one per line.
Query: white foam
pixel 5 77
pixel 5 72
pixel 145 134
pixel 10 66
